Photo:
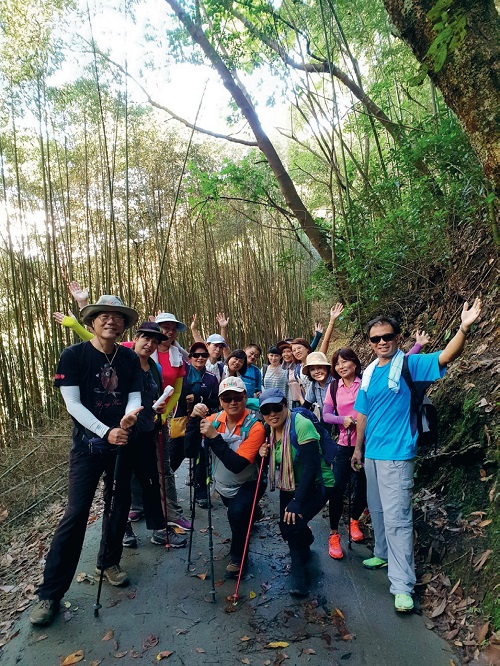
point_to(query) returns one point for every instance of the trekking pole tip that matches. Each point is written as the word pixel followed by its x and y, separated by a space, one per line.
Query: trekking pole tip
pixel 97 607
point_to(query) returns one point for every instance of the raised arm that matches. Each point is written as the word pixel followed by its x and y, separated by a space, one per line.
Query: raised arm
pixel 223 322
pixel 71 322
pixel 194 330
pixel 335 311
pixel 456 345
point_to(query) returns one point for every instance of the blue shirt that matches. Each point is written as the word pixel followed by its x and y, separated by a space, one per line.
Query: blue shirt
pixel 388 432
pixel 252 380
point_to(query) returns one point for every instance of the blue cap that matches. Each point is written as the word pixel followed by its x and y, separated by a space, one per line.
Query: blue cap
pixel 272 396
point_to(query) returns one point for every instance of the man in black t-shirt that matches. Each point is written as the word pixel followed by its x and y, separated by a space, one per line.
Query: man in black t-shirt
pixel 100 382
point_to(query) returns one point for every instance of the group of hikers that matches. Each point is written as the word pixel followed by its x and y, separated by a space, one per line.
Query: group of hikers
pixel 303 424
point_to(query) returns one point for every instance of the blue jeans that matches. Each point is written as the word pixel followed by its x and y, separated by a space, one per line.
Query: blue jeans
pixel 389 491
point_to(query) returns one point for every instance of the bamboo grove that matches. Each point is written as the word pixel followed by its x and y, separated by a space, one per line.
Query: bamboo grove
pixel 97 187
pixel 105 215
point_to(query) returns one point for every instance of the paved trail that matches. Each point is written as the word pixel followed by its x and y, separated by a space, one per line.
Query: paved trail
pixel 168 603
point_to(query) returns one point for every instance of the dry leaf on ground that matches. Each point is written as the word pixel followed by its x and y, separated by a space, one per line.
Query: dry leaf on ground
pixel 108 635
pixel 73 658
pixel 164 654
pixel 149 642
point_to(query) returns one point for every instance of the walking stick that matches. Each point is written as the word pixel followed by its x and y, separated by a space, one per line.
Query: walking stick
pixel 349 489
pixel 161 458
pixel 210 535
pixel 193 510
pixel 97 605
pixel 247 540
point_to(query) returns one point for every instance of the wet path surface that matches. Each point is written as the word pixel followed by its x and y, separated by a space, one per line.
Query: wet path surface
pixel 348 619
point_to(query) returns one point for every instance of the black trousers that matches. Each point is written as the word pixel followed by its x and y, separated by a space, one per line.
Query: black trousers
pixel 239 509
pixel 343 473
pixel 85 470
pixel 299 536
pixel 143 460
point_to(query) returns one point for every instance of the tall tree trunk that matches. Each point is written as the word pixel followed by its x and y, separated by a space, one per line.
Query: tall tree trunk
pixel 469 76
pixel 242 99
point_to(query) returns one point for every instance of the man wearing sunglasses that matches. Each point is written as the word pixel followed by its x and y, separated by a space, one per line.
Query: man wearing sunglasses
pixel 386 443
pixel 234 437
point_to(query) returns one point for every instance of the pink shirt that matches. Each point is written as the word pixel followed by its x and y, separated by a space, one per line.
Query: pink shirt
pixel 346 397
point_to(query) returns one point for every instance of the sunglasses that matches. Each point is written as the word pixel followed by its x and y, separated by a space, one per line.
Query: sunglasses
pixel 265 410
pixel 199 355
pixel 232 397
pixel 387 337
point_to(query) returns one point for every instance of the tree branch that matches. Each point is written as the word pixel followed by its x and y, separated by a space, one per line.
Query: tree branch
pixel 157 105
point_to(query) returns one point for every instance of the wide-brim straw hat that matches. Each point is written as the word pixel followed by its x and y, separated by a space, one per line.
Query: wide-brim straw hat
pixel 315 358
pixel 110 303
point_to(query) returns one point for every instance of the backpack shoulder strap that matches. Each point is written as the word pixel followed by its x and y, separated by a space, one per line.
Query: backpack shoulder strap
pixel 247 424
pixel 334 385
pixel 216 422
pixel 293 432
pixel 416 401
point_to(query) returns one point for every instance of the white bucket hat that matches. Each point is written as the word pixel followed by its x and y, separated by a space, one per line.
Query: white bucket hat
pixel 165 317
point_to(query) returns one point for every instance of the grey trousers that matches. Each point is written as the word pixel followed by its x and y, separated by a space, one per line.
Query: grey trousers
pixel 389 492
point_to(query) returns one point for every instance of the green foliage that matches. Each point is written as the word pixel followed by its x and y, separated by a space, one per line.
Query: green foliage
pixel 450 29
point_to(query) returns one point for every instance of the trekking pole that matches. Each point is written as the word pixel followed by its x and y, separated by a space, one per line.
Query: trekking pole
pixel 247 540
pixel 161 458
pixel 97 605
pixel 210 535
pixel 193 509
pixel 349 489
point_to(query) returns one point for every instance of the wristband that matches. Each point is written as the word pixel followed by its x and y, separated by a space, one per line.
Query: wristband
pixel 105 438
pixel 464 333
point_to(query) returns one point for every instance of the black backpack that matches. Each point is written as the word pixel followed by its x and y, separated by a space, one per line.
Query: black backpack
pixel 423 414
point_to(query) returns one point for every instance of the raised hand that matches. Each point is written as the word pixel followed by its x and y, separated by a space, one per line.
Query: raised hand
pixel 222 320
pixel 335 311
pixel 469 315
pixel 421 338
pixel 80 295
pixel 194 323
pixel 318 328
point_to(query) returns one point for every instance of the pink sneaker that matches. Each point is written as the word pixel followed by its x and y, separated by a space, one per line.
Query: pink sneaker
pixel 134 516
pixel 181 522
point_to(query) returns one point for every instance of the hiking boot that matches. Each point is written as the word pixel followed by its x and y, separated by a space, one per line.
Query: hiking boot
pixel 181 522
pixel 202 503
pixel 44 612
pixel 233 569
pixel 129 538
pixel 299 588
pixel 374 563
pixel 258 515
pixel 114 575
pixel 159 538
pixel 403 603
pixel 334 547
pixel 135 515
pixel 356 533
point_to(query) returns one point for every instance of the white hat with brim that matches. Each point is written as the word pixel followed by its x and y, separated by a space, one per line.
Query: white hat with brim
pixel 232 384
pixel 315 358
pixel 167 317
pixel 216 339
pixel 109 303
